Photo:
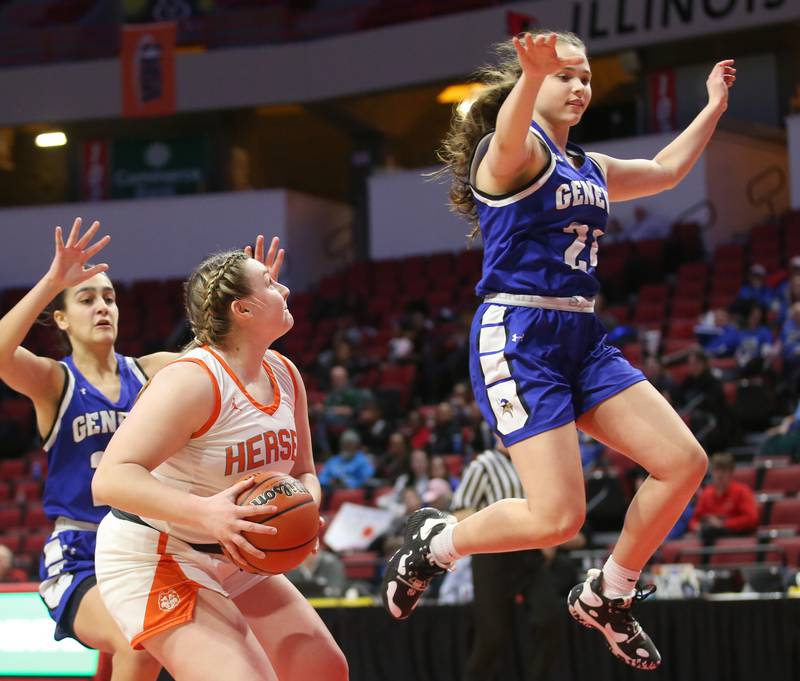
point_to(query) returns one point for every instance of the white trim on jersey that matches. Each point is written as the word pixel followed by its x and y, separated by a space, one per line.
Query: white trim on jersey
pixel 62 408
pixel 508 200
pixel 135 369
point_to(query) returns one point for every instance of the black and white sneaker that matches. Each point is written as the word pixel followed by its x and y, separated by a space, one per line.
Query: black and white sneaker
pixel 612 617
pixel 411 568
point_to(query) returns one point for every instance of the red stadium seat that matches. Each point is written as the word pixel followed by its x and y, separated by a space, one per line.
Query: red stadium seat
pixel 782 479
pixel 12 540
pixel 34 543
pixel 682 328
pixel 673 551
pixel 786 512
pixel 340 496
pixel 689 290
pixel 454 463
pixel 12 469
pixel 791 549
pixel 28 489
pixel 10 517
pixel 35 518
pixel 361 565
pixel 654 293
pixel 747 475
pixel 5 491
pixel 727 555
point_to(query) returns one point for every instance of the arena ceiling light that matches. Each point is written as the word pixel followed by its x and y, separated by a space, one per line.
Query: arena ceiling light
pixel 50 139
pixel 462 94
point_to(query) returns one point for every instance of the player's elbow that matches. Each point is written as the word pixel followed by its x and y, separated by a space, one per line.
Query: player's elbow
pixel 101 487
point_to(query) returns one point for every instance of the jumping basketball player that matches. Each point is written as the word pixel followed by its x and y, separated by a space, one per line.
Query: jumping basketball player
pixel 79 403
pixel 168 473
pixel 540 365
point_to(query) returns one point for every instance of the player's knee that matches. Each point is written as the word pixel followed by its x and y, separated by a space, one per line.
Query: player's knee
pixel 568 525
pixel 693 464
pixel 140 660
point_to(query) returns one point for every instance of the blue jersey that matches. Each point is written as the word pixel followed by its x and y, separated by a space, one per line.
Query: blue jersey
pixel 85 422
pixel 542 239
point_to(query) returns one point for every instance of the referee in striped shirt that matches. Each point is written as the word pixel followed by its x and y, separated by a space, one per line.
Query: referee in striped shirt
pixel 499 578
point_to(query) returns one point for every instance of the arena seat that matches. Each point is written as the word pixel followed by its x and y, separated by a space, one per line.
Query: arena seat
pixel 782 479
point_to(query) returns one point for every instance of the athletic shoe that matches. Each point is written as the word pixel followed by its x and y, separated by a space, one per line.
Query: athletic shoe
pixel 412 567
pixel 612 617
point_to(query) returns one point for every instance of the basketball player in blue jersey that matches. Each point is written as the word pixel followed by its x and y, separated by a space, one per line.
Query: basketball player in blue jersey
pixel 540 364
pixel 79 403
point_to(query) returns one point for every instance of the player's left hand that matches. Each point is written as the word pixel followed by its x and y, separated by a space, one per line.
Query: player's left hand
pixel 274 257
pixel 719 81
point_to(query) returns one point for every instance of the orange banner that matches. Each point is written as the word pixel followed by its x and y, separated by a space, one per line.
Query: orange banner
pixel 148 69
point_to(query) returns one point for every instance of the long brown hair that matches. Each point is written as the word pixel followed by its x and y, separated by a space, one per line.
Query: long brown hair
pixel 467 129
pixel 208 293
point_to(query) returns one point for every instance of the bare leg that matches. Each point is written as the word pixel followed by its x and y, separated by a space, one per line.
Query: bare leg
pixel 549 466
pixel 295 639
pixel 217 644
pixel 96 628
pixel 641 424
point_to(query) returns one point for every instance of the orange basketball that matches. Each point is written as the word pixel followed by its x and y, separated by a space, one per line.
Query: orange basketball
pixel 297 522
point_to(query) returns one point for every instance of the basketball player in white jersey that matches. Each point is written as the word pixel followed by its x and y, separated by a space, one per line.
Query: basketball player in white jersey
pixel 228 407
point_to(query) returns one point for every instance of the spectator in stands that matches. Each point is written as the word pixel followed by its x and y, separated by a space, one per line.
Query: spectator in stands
pixel 614 233
pixel 790 346
pixel 788 292
pixel 416 476
pixel 418 431
pixel 657 375
pixel 439 470
pixel 8 573
pixel 438 494
pixel 702 397
pixel 373 428
pixel 755 342
pixel 725 507
pixel 717 333
pixel 394 460
pixel 321 574
pixel 755 290
pixel 340 407
pixel 446 437
pixel 647 226
pixel 784 438
pixel 350 469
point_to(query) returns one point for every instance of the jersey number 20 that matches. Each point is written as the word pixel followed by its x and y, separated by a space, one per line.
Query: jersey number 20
pixel 577 246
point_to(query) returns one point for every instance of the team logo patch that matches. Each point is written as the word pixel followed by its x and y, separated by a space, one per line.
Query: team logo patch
pixel 168 600
pixel 507 407
pixel 517 337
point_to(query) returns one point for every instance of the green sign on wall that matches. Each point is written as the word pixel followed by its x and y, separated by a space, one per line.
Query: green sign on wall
pixel 145 168
pixel 27 646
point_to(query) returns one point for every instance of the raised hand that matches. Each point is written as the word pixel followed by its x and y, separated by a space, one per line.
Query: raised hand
pixel 225 520
pixel 69 263
pixel 538 57
pixel 274 258
pixel 720 80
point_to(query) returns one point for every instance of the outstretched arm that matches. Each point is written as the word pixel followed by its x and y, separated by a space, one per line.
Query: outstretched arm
pixel 632 179
pixel 40 378
pixel 512 151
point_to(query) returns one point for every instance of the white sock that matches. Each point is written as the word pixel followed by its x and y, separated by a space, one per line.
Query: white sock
pixel 442 549
pixel 618 582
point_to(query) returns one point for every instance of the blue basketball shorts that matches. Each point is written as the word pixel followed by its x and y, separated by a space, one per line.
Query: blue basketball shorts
pixel 66 563
pixel 536 369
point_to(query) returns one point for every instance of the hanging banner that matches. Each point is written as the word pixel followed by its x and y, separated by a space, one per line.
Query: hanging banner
pixel 148 69
pixel 663 105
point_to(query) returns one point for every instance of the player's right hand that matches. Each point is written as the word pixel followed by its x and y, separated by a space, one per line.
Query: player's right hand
pixel 69 263
pixel 538 56
pixel 225 520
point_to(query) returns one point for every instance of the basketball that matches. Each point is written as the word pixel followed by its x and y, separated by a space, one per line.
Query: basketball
pixel 297 522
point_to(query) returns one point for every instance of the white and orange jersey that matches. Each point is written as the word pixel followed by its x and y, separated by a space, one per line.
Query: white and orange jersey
pixel 241 436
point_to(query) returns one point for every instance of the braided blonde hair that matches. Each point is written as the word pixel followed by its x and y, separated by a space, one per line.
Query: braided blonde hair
pixel 208 293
